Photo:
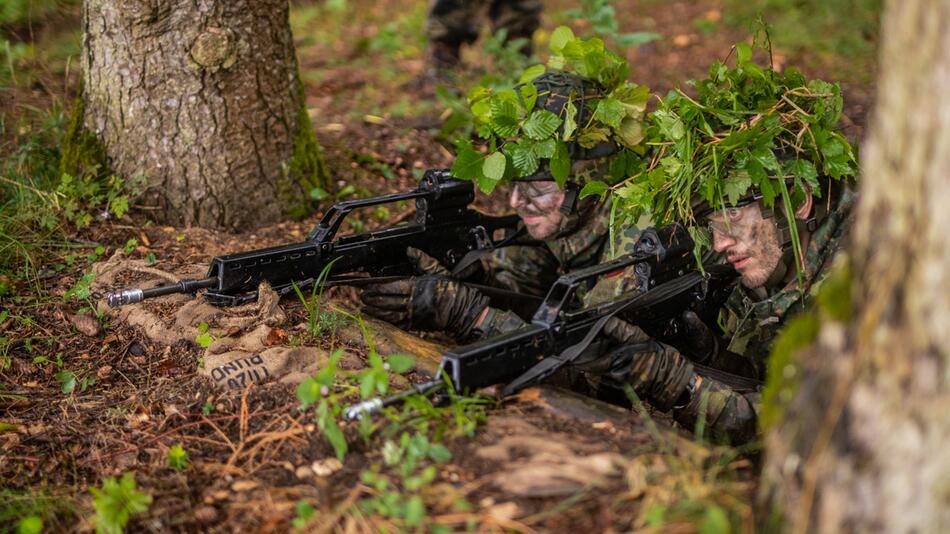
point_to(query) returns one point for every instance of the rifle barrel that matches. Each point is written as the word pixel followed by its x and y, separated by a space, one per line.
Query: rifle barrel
pixel 131 296
pixel 374 405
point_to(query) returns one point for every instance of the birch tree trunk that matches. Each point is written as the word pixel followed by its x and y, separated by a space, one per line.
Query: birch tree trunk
pixel 202 98
pixel 865 445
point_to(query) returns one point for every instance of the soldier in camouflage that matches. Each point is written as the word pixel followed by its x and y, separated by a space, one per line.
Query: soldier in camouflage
pixel 570 234
pixel 452 23
pixel 719 380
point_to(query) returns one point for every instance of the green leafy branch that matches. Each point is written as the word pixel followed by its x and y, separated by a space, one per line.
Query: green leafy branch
pixel 519 137
pixel 750 128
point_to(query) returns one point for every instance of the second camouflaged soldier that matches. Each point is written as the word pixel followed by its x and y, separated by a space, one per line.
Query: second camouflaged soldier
pixel 571 234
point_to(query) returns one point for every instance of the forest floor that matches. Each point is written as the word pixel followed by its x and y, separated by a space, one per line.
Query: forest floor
pixel 83 399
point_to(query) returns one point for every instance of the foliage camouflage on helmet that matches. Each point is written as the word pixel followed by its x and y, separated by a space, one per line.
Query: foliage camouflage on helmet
pixel 750 130
pixel 582 108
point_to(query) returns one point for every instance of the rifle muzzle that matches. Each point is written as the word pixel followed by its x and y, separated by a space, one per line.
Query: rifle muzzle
pixel 126 296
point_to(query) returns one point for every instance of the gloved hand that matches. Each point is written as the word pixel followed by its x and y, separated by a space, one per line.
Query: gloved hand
pixel 427 302
pixel 658 373
pixel 699 343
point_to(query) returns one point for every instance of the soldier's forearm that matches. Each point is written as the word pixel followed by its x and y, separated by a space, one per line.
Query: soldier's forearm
pixel 494 321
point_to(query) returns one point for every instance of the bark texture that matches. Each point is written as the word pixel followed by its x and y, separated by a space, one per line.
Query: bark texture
pixel 203 98
pixel 864 444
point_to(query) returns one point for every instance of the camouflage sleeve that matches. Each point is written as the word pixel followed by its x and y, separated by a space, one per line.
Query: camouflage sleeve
pixel 667 380
pixel 497 322
pixel 616 284
pixel 729 415
pixel 525 269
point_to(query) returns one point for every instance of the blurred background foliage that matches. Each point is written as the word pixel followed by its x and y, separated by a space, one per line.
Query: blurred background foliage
pixel 842 33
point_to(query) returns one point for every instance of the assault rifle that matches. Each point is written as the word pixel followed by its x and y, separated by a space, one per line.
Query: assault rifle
pixel 444 227
pixel 560 332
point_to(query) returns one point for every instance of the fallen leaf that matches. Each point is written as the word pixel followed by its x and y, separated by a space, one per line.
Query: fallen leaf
pixel 205 514
pixel 85 324
pixel 326 467
pixel 682 40
pixel 504 512
pixel 104 371
pixel 245 485
pixel 276 336
pixel 233 331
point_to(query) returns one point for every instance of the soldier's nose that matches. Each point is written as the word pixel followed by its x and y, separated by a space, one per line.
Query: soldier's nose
pixel 515 199
pixel 721 242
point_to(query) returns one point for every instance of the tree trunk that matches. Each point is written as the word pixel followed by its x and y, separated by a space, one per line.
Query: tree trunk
pixel 865 444
pixel 202 98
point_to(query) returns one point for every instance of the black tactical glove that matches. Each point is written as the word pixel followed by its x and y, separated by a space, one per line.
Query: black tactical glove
pixel 427 302
pixel 699 343
pixel 658 373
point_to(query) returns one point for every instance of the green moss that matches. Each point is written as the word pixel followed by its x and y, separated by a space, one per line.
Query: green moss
pixel 82 152
pixel 305 170
pixel 784 374
pixel 784 377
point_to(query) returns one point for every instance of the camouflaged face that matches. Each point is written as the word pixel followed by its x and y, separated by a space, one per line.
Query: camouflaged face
pixel 455 22
pixel 532 269
pixel 752 324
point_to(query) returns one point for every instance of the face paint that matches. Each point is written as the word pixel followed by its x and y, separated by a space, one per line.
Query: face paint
pixel 538 204
pixel 748 241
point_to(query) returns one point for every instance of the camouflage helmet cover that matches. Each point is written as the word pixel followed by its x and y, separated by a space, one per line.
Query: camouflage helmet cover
pixel 555 90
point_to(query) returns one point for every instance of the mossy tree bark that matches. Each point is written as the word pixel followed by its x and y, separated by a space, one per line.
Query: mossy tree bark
pixel 203 98
pixel 864 444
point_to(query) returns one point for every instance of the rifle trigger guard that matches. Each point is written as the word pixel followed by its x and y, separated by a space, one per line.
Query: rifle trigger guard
pixel 481 238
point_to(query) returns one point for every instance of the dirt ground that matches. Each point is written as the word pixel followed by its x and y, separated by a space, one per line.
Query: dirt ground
pixel 253 452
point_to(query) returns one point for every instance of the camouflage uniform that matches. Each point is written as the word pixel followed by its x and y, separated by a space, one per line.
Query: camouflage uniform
pixel 533 269
pixel 752 320
pixel 452 23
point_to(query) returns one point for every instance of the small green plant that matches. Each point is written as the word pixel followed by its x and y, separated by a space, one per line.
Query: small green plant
pixel 603 20
pixel 82 289
pixel 116 502
pixel 304 513
pixel 207 408
pixel 30 525
pixel 177 457
pixel 69 380
pixel 130 246
pixel 88 197
pixel 319 320
pixel 320 391
pixel 32 511
pixel 398 491
pixel 204 337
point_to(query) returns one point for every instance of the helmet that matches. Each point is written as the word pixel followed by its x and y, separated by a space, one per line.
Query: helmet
pixel 555 90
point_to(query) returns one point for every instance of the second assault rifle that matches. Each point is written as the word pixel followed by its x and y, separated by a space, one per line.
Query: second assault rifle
pixel 444 227
pixel 560 333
